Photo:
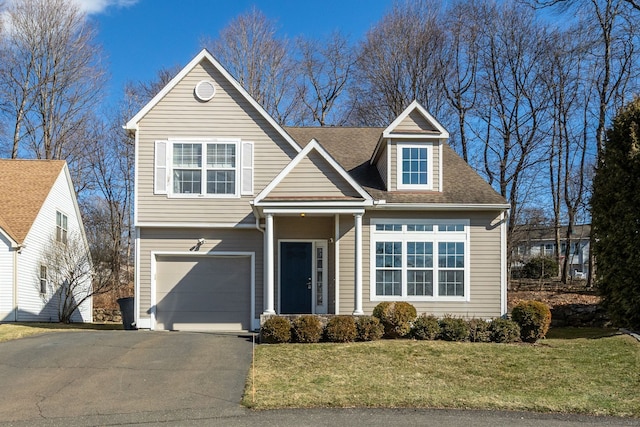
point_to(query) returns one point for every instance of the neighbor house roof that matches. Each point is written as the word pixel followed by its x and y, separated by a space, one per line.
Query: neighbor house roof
pixel 523 233
pixel 351 147
pixel 24 186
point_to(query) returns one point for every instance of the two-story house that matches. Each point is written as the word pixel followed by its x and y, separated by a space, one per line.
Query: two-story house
pixel 237 216
pixel 39 211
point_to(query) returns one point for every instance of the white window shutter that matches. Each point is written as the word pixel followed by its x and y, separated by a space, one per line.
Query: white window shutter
pixel 160 169
pixel 247 169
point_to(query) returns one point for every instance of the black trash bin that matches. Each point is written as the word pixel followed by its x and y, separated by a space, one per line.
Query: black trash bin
pixel 127 312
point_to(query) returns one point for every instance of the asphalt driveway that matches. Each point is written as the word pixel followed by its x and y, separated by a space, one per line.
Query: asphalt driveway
pixel 106 375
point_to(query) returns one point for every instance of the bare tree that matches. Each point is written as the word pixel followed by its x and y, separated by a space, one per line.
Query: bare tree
pixel 253 53
pixel 325 67
pixel 71 278
pixel 398 62
pixel 512 102
pixel 459 65
pixel 51 73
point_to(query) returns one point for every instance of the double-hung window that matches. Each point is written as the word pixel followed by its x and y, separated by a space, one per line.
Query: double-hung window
pixel 415 166
pixel 61 227
pixel 200 168
pixel 43 279
pixel 419 260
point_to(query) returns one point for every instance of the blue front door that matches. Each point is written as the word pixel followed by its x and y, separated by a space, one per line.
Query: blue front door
pixel 295 277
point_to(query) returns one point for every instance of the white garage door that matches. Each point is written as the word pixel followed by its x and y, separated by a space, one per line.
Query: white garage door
pixel 195 293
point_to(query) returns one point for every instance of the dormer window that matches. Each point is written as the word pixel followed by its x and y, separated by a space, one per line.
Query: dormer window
pixel 415 166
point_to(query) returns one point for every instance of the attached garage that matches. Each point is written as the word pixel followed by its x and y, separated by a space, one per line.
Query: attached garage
pixel 209 292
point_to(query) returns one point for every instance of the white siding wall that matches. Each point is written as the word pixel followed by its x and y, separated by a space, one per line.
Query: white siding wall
pixel 32 306
pixel 6 280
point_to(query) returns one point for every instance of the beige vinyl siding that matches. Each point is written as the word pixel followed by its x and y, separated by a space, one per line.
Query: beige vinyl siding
pixel 394 162
pixel 414 122
pixel 181 240
pixel 347 264
pixel 313 177
pixel 485 265
pixel 228 115
pixel 381 165
pixel 306 228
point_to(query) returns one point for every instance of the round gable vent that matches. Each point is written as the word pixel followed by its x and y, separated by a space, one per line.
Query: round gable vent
pixel 205 90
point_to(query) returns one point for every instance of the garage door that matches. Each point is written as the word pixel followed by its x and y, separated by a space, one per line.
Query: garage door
pixel 203 293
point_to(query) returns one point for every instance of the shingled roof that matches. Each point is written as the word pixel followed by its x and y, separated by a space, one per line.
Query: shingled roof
pixel 24 186
pixel 352 148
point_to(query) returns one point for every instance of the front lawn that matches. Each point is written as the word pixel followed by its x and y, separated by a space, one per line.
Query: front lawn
pixel 12 331
pixel 591 371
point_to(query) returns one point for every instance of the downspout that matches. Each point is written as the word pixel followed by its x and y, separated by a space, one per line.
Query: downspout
pixel 503 263
pixel 264 258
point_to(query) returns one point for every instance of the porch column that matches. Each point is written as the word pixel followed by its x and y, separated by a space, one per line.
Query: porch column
pixel 268 254
pixel 358 265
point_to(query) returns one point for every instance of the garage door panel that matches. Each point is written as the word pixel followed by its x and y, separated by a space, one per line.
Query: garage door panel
pixel 203 293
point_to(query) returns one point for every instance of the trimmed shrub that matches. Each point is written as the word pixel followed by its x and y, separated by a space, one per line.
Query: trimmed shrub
pixel 369 328
pixel 341 329
pixel 504 331
pixel 396 318
pixel 540 267
pixel 479 330
pixel 425 327
pixel 275 330
pixel 307 329
pixel 534 318
pixel 453 329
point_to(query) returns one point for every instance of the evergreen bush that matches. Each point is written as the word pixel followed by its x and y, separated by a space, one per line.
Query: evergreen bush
pixel 534 319
pixel 369 328
pixel 396 318
pixel 275 330
pixel 504 331
pixel 425 327
pixel 307 329
pixel 341 329
pixel 453 329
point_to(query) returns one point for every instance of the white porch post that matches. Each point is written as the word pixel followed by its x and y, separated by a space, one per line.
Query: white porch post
pixel 358 265
pixel 269 293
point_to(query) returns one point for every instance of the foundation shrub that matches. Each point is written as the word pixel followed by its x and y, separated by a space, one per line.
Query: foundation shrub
pixel 275 330
pixel 479 330
pixel 307 329
pixel 341 329
pixel 534 318
pixel 453 329
pixel 425 327
pixel 504 331
pixel 369 328
pixel 396 318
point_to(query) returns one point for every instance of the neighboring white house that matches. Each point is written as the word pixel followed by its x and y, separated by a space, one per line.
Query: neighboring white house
pixel 534 241
pixel 38 204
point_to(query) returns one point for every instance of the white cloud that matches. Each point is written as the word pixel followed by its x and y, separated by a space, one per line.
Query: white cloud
pixel 92 7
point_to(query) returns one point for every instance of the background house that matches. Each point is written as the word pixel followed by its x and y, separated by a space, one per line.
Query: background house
pixel 533 241
pixel 237 217
pixel 38 210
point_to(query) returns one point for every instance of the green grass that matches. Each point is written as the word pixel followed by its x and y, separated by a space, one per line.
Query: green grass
pixel 12 331
pixel 590 371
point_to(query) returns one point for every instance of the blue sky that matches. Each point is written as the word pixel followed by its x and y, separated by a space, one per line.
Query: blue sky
pixel 141 36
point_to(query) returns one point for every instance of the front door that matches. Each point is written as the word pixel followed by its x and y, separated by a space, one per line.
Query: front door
pixel 296 284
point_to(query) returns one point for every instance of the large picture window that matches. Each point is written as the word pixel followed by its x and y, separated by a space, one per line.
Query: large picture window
pixel 415 166
pixel 419 260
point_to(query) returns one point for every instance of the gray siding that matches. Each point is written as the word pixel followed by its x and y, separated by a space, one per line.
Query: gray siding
pixel 313 177
pixel 485 266
pixel 180 115
pixel 381 165
pixel 181 240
